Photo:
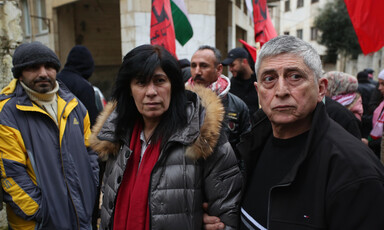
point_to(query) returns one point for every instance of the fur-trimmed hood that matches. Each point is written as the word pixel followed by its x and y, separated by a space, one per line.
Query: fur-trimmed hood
pixel 201 134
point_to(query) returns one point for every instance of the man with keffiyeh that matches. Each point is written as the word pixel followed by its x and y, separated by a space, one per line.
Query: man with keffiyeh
pixel 206 70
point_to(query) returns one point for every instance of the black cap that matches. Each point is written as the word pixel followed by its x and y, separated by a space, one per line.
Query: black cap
pixel 362 75
pixel 184 63
pixel 234 54
pixel 369 70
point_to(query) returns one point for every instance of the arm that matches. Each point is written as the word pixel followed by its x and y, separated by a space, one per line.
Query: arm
pixel 222 185
pixel 18 177
pixel 92 155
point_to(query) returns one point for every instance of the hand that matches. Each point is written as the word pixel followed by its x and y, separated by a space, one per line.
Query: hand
pixel 211 222
pixel 364 140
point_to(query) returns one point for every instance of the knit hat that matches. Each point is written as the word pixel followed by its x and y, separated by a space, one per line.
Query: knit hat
pixel 381 75
pixel 29 54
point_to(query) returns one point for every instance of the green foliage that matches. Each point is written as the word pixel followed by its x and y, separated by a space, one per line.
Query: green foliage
pixel 337 32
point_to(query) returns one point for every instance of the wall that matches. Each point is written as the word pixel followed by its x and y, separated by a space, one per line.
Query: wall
pixel 96 25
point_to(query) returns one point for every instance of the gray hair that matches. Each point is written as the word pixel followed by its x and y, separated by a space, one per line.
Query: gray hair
pixel 286 44
pixel 215 51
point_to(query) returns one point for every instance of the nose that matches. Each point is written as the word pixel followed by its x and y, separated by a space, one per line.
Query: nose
pixel 42 71
pixel 196 70
pixel 282 88
pixel 151 90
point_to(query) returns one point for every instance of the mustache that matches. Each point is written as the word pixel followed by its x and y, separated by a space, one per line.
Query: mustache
pixel 42 78
pixel 198 78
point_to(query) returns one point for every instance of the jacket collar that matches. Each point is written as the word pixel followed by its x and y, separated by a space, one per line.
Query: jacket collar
pixel 201 134
pixel 14 89
pixel 252 143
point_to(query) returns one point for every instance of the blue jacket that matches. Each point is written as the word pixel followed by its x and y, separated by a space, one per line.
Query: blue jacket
pixel 48 174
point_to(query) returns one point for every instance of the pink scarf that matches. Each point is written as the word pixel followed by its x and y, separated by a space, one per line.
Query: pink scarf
pixel 377 122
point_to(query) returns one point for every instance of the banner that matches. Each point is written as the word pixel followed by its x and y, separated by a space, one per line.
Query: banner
pixel 162 29
pixel 183 28
pixel 251 50
pixel 368 22
pixel 264 30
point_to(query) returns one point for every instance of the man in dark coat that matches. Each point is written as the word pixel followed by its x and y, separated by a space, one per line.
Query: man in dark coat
pixel 75 75
pixel 304 171
pixel 242 78
pixel 366 88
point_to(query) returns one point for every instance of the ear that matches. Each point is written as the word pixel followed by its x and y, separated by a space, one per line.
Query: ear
pixel 255 84
pixel 219 69
pixel 323 85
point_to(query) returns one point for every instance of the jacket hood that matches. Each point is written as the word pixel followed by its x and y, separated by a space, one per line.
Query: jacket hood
pixel 201 134
pixel 80 60
pixel 226 90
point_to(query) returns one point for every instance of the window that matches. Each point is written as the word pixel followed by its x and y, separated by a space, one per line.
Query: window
pixel 300 3
pixel 287 5
pixel 299 33
pixel 41 16
pixel 313 33
pixel 238 3
pixel 313 1
pixel 245 10
pixel 286 33
pixel 25 18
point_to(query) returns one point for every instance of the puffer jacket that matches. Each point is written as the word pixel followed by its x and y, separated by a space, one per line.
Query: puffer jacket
pixel 48 174
pixel 195 165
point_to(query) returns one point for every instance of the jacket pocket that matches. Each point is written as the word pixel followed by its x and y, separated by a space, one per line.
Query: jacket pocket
pixel 233 171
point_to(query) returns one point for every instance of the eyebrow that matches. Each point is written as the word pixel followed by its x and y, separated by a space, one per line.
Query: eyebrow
pixel 286 70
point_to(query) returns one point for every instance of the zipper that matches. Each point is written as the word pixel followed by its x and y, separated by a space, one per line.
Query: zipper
pixel 161 157
pixel 62 167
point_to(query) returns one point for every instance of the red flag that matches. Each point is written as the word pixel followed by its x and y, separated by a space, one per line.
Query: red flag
pixel 368 21
pixel 162 30
pixel 251 49
pixel 264 30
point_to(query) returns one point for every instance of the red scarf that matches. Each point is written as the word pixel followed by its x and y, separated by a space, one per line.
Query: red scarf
pixel 132 210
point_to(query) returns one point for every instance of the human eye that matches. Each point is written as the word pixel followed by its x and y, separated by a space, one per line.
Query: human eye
pixel 268 78
pixel 138 82
pixel 160 79
pixel 49 66
pixel 295 77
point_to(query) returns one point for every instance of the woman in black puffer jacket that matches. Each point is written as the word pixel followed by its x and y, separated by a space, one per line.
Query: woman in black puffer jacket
pixel 165 151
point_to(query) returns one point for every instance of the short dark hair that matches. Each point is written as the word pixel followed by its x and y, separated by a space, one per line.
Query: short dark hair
pixel 141 63
pixel 215 51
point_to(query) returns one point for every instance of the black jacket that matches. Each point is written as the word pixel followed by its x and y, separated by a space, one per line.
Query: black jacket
pixel 237 121
pixel 246 91
pixel 78 68
pixel 336 183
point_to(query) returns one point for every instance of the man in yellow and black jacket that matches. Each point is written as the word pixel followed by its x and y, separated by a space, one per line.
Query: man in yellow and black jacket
pixel 48 173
